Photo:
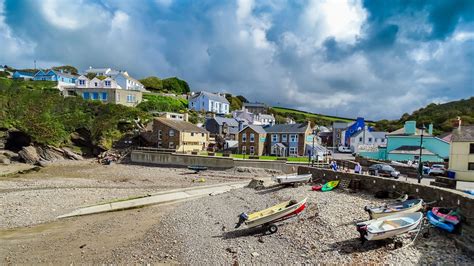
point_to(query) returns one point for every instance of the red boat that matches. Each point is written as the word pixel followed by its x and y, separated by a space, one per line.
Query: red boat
pixel 447 215
pixel 315 188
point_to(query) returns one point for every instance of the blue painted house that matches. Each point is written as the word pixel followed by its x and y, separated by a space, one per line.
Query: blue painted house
pixel 57 76
pixel 404 145
pixel 209 102
pixel 23 75
pixel 288 139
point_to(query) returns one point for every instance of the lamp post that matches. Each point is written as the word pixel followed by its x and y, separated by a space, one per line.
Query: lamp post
pixel 420 165
pixel 315 135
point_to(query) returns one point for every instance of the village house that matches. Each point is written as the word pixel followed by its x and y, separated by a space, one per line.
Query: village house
pixel 461 155
pixel 227 128
pixel 64 80
pixel 288 139
pixel 366 140
pixel 178 135
pixel 209 102
pixel 175 116
pixel 254 119
pixel 252 140
pixel 255 108
pixel 23 75
pixel 118 89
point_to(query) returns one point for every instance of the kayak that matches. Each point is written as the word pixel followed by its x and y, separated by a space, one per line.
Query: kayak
pixel 407 206
pixel 389 226
pixel 434 220
pixel 330 185
pixel 315 188
pixel 446 215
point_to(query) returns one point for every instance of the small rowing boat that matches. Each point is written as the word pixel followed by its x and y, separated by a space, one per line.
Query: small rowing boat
pixel 291 179
pixel 330 185
pixel 269 216
pixel 436 221
pixel 445 214
pixel 408 206
pixel 389 226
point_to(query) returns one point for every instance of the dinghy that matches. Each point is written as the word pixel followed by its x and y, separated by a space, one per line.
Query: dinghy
pixel 436 221
pixel 407 206
pixel 291 179
pixel 197 168
pixel 446 214
pixel 269 216
pixel 389 226
pixel 330 185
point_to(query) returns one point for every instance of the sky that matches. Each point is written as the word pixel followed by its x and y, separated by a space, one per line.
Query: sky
pixel 375 59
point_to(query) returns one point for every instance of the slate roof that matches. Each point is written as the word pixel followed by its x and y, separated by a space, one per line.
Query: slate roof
pixel 401 132
pixel 375 134
pixel 465 134
pixel 287 128
pixel 258 129
pixel 182 126
pixel 211 96
pixel 409 149
pixel 25 73
pixel 231 122
pixel 255 105
pixel 265 116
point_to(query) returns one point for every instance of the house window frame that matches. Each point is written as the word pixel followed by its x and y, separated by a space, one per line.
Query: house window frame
pixel 294 149
pixel 252 137
pixel 160 134
pixel 171 145
pixel 192 134
pixel 104 96
pixel 252 150
pixel 471 148
pixel 293 138
pixel 370 140
pixel 82 82
pixel 86 95
pixel 470 166
pixel 171 133
pixel 108 83
pixel 244 137
pixel 284 138
pixel 275 138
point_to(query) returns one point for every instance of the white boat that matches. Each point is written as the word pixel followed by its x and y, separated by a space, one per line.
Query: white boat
pixel 272 215
pixel 389 226
pixel 407 206
pixel 290 179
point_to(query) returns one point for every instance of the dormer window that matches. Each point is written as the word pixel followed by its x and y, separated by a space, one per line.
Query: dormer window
pixel 82 82
pixel 107 83
pixel 95 84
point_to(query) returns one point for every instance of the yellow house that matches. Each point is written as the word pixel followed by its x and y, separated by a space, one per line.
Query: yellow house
pixel 461 157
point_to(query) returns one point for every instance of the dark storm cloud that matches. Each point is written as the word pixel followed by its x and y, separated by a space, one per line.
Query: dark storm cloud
pixel 377 59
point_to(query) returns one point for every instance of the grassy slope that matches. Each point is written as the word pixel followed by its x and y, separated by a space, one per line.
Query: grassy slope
pixel 287 111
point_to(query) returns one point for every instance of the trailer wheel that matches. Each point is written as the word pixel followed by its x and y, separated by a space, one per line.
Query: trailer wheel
pixel 272 228
pixel 398 244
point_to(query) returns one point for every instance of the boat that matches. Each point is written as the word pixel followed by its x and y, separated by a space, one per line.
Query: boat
pixel 389 226
pixel 330 185
pixel 445 214
pixel 407 206
pixel 197 168
pixel 270 216
pixel 436 221
pixel 316 188
pixel 291 179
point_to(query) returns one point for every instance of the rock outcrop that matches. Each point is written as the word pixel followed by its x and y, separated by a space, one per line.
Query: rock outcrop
pixel 44 154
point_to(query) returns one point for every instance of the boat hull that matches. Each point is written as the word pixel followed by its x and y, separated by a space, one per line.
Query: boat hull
pixel 391 210
pixel 411 220
pixel 330 185
pixel 445 217
pixel 292 179
pixel 434 220
pixel 277 215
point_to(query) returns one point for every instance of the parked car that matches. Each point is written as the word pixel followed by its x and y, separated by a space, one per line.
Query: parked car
pixel 344 149
pixel 437 169
pixel 383 170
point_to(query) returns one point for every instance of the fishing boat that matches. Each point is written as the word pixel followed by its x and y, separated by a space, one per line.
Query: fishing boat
pixel 408 206
pixel 389 226
pixel 330 185
pixel 268 217
pixel 291 179
pixel 436 221
pixel 445 214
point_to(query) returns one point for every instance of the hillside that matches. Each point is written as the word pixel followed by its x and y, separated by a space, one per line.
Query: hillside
pixel 443 116
pixel 281 113
pixel 168 85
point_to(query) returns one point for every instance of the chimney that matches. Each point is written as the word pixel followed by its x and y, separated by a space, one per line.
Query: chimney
pixel 410 127
pixel 185 117
pixel 430 129
pixel 459 123
pixel 241 125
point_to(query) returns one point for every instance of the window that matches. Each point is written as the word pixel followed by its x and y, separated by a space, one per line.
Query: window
pixel 131 98
pixel 95 84
pixel 252 150
pixel 470 166
pixel 192 134
pixel 171 145
pixel 284 138
pixel 471 148
pixel 202 134
pixel 107 83
pixel 171 133
pixel 244 137
pixel 252 138
pixel 82 82
pixel 273 150
pixel 293 150
pixel 370 140
pixel 160 144
pixel 104 96
pixel 274 137
pixel 293 138
pixel 160 134
pixel 360 139
pixel 382 140
pixel 86 95
pixel 95 96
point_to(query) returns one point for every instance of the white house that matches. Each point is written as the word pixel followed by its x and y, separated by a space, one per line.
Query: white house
pixel 366 140
pixel 102 71
pixel 209 102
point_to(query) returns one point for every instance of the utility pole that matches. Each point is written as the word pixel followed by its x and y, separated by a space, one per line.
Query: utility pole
pixel 420 165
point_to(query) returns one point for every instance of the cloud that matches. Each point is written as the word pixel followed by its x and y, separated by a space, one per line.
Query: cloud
pixel 347 58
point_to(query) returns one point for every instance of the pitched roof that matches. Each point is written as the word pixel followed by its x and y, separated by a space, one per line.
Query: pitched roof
pixel 401 132
pixel 231 122
pixel 181 125
pixel 258 129
pixel 287 128
pixel 211 96
pixel 255 105
pixel 410 149
pixel 465 134
pixel 25 73
pixel 265 116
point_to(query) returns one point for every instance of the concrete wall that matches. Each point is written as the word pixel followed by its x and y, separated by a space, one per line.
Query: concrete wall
pixel 153 157
pixel 275 165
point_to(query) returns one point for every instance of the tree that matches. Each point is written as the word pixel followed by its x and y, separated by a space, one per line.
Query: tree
pixel 175 85
pixel 91 75
pixel 152 83
pixel 68 69
pixel 242 99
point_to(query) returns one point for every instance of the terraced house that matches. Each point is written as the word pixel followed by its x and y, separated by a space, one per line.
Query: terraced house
pixel 65 80
pixel 118 89
pixel 288 139
pixel 252 140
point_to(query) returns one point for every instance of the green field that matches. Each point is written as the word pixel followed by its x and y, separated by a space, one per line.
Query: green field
pixel 287 111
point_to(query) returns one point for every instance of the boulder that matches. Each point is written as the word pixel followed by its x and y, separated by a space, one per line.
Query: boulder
pixel 11 155
pixel 71 155
pixel 4 159
pixel 49 154
pixel 29 155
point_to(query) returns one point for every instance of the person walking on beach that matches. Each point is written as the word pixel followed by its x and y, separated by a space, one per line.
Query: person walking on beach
pixel 358 169
pixel 334 166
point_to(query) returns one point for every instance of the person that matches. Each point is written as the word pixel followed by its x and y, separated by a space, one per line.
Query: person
pixel 334 166
pixel 358 169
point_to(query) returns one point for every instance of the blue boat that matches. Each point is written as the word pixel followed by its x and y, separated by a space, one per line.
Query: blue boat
pixel 434 220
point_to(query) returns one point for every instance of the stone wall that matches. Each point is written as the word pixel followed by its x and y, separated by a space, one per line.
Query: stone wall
pixel 443 197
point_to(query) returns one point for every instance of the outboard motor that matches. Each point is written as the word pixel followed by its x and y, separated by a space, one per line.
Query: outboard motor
pixel 362 229
pixel 242 218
